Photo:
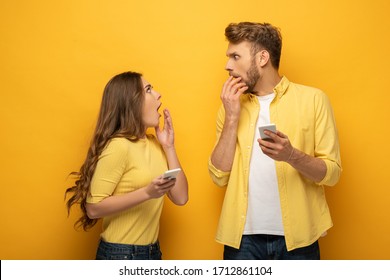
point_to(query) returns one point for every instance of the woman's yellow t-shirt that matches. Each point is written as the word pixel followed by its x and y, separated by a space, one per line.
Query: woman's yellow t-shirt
pixel 123 167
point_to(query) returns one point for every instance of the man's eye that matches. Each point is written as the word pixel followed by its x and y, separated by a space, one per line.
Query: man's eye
pixel 236 57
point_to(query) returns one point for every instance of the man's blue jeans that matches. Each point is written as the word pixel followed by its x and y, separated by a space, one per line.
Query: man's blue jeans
pixel 269 247
pixel 114 251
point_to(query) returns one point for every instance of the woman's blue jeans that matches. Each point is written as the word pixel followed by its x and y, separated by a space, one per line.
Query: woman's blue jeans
pixel 115 251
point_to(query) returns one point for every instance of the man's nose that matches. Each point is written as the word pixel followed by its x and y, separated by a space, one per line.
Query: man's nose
pixel 228 66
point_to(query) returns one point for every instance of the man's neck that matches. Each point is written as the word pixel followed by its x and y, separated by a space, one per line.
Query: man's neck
pixel 266 84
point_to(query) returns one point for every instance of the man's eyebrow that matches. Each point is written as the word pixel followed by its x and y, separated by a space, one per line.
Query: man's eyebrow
pixel 232 54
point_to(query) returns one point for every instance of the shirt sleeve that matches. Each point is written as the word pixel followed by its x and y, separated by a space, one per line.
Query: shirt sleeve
pixel 109 170
pixel 220 178
pixel 326 140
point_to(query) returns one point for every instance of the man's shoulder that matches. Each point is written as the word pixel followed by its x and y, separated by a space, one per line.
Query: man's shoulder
pixel 304 87
pixel 305 90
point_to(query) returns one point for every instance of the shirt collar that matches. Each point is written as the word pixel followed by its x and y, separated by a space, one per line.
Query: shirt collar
pixel 281 88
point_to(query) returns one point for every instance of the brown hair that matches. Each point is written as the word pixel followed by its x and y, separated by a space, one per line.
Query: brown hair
pixel 120 116
pixel 261 35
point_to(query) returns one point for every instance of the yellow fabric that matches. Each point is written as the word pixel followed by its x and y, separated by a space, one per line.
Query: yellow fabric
pixel 305 115
pixel 123 167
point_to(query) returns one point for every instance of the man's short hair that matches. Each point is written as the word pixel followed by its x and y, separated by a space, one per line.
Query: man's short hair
pixel 262 36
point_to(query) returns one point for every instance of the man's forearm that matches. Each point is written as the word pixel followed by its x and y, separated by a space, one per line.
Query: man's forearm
pixel 310 167
pixel 223 154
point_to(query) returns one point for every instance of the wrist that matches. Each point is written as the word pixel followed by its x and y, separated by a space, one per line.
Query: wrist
pixel 231 125
pixel 296 156
pixel 168 148
pixel 292 156
pixel 232 120
pixel 146 193
pixel 170 153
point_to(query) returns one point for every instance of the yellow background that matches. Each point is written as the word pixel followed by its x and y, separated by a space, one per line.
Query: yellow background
pixel 56 57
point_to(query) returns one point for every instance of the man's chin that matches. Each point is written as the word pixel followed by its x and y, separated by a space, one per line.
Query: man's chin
pixel 249 91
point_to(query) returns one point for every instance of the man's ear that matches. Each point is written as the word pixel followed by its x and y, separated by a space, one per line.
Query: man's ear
pixel 263 57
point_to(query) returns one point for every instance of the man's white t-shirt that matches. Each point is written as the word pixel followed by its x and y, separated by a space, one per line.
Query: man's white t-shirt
pixel 263 213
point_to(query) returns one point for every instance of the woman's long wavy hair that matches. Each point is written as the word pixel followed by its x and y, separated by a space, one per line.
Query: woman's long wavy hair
pixel 120 116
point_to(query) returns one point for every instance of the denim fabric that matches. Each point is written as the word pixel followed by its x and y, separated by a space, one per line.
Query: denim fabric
pixel 269 247
pixel 114 251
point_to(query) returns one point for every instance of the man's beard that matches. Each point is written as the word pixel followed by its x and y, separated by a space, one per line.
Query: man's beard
pixel 253 76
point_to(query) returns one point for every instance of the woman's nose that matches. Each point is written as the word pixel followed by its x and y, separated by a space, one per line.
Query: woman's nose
pixel 157 95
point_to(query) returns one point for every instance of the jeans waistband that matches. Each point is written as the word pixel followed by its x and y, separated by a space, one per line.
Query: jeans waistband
pixel 129 248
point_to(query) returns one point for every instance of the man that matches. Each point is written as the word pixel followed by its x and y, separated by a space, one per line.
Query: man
pixel 274 206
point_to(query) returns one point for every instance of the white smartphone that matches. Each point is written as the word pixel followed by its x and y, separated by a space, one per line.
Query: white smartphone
pixel 171 174
pixel 271 127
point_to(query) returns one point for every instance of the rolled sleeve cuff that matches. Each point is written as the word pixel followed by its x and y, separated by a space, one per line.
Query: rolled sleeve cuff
pixel 220 178
pixel 333 172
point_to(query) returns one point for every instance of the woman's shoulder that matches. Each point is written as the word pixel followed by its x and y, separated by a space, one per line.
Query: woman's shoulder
pixel 118 143
pixel 125 142
pixel 122 142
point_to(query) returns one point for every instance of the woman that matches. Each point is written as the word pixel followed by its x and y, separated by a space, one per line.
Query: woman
pixel 121 179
